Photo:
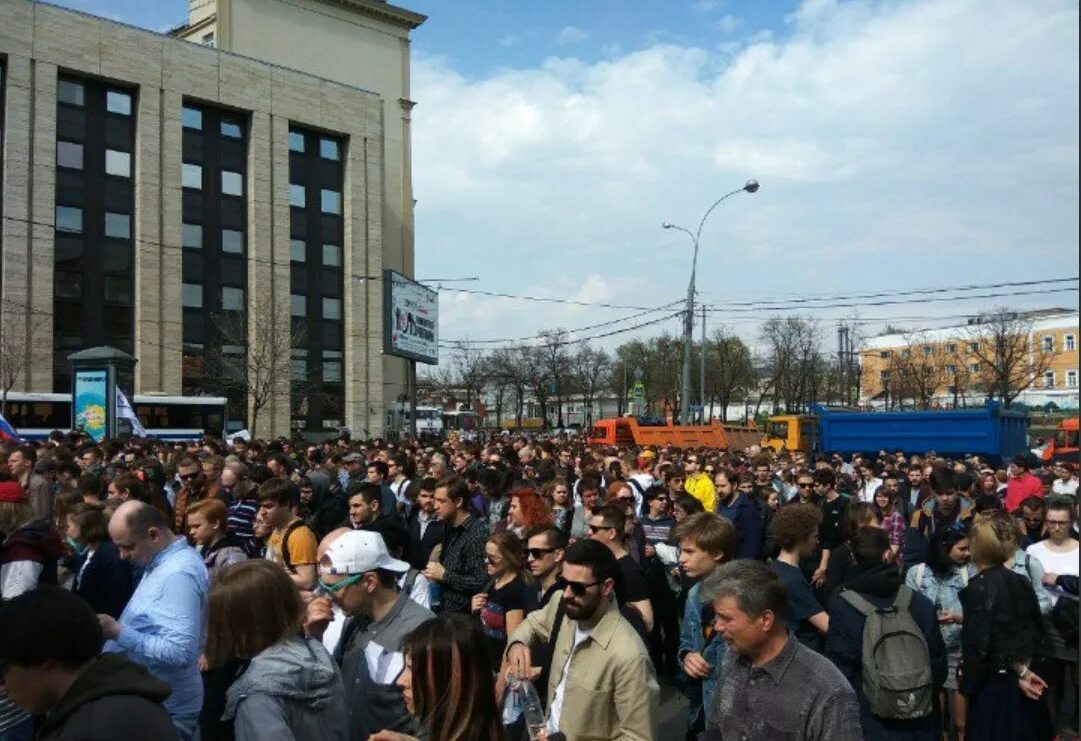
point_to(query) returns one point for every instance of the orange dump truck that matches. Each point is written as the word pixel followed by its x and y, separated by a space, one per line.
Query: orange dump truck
pixel 1064 445
pixel 629 431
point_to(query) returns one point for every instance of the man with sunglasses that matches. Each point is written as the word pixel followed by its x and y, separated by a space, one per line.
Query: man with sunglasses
pixel 601 684
pixel 193 487
pixel 358 574
pixel 607 525
pixel 545 545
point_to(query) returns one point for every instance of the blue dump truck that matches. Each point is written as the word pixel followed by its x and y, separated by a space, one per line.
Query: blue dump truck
pixel 990 431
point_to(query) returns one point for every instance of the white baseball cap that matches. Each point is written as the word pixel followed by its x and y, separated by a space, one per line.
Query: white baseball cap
pixel 358 552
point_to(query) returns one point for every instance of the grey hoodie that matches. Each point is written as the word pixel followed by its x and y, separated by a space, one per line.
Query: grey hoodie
pixel 292 690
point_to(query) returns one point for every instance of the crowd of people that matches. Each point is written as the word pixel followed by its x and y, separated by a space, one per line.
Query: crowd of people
pixel 401 590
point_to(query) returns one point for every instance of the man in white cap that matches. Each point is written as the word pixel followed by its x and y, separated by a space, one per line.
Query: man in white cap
pixel 359 575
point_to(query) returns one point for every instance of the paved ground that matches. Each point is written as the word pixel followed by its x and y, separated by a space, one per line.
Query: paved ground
pixel 673 715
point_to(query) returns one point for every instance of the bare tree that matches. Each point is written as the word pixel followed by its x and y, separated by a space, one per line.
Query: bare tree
pixel 921 368
pixel 510 366
pixel 254 356
pixel 589 368
pixel 470 364
pixel 729 367
pixel 1010 358
pixel 13 353
pixel 792 360
pixel 539 381
pixel 553 354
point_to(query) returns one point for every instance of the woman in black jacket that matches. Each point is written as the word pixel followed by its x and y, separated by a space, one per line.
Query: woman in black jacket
pixel 102 578
pixel 999 637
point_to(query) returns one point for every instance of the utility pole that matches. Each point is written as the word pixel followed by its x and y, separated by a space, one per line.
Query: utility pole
pixel 841 368
pixel 702 373
pixel 623 399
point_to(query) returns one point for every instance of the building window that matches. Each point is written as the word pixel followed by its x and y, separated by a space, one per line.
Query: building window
pixel 951 347
pixel 232 183
pixel 117 163
pixel 68 285
pixel 332 308
pixel 298 250
pixel 296 142
pixel 974 347
pixel 296 195
pixel 928 350
pixel 885 376
pixel 885 354
pixel 332 366
pixel 951 369
pixel 117 226
pixel 232 241
pixel 191 118
pixel 191 235
pixel 231 129
pixel 1070 343
pixel 70 92
pixel 906 353
pixel 298 305
pixel 208 39
pixel 118 102
pixel 191 295
pixel 117 289
pixel 192 176
pixel 298 366
pixel 1048 344
pixel 69 219
pixel 329 149
pixel 1049 380
pixel 232 299
pixel 330 201
pixel 974 368
pixel 69 154
pixel 332 256
pixel 1071 379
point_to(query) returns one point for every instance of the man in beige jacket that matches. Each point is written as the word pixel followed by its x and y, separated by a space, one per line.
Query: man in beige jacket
pixel 601 684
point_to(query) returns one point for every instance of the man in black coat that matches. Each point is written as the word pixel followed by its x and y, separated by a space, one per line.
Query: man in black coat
pixel 877 581
pixel 52 666
pixel 425 529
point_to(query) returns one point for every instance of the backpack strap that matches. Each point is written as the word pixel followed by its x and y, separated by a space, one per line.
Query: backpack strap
pixel 964 575
pixel 287 561
pixel 410 580
pixel 853 598
pixel 919 575
pixel 903 599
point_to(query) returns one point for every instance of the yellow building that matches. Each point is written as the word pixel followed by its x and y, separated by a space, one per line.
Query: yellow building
pixel 950 366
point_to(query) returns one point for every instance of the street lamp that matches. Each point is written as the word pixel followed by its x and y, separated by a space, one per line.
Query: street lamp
pixel 688 324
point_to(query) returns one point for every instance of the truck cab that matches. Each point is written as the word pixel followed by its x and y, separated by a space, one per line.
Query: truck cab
pixel 1064 444
pixel 791 432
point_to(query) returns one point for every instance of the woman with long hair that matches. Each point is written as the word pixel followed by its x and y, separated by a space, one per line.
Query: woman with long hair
pixel 286 686
pixel 527 510
pixel 941 579
pixel 501 604
pixel 1000 635
pixel 447 684
pixel 556 494
pixel 100 576
pixel 890 516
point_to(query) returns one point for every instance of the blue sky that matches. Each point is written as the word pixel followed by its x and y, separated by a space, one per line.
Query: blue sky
pixel 900 144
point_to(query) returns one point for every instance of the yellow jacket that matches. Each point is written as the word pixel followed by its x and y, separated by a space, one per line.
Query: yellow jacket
pixel 699 486
pixel 612 692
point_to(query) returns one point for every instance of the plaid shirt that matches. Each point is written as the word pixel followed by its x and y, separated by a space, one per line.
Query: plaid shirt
pixel 463 558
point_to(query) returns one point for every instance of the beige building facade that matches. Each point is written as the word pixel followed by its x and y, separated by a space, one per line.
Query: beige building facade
pixel 53 65
pixel 951 372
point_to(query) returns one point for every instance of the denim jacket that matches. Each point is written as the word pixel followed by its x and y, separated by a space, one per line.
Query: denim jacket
pixel 1033 571
pixel 945 592
pixel 692 640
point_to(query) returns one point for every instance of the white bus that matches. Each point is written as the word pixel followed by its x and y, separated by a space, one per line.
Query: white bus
pixel 35 415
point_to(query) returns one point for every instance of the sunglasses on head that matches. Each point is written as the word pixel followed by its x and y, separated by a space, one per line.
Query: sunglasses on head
pixel 579 588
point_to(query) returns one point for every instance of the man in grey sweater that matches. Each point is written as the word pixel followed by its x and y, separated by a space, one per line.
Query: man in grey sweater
pixel 359 575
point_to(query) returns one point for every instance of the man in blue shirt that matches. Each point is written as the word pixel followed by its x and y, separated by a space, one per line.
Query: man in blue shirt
pixel 161 627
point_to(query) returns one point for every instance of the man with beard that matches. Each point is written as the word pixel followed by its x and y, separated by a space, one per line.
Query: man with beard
pixel 193 487
pixel 601 684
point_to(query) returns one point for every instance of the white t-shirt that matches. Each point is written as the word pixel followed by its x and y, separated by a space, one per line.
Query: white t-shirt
pixel 1066 488
pixel 580 636
pixel 1056 563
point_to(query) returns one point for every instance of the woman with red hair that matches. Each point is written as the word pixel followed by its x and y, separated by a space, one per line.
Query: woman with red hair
pixel 527 510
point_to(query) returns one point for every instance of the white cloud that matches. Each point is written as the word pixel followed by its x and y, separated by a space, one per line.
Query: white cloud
pixel 918 143
pixel 706 6
pixel 571 35
pixel 728 24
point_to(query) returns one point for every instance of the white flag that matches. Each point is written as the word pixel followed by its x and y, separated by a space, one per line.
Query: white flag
pixel 124 411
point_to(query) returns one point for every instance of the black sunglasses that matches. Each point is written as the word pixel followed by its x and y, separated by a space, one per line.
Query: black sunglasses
pixel 187 476
pixel 594 529
pixel 539 553
pixel 578 588
pixel 804 484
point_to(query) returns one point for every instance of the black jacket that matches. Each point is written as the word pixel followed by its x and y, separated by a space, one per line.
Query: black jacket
pixel 331 512
pixel 878 584
pixel 1001 626
pixel 112 698
pixel 107 582
pixel 393 532
pixel 420 549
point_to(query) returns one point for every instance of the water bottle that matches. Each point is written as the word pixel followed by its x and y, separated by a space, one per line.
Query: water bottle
pixel 523 702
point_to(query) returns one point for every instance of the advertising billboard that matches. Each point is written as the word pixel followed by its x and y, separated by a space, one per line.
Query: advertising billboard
pixel 410 319
pixel 90 412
